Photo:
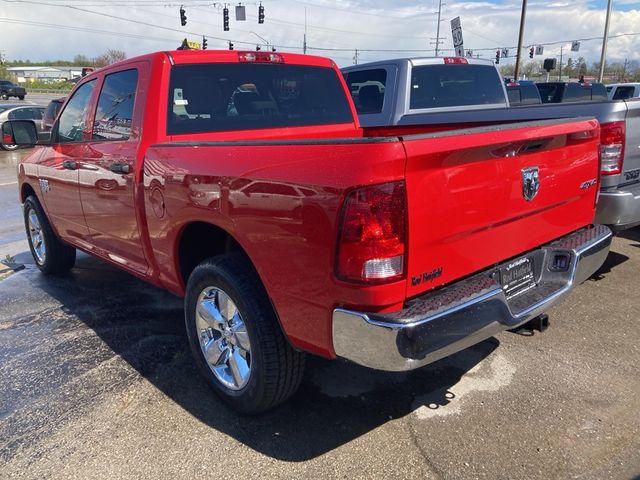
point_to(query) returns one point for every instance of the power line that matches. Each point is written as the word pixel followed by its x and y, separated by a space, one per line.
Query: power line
pixel 181 31
pixel 82 29
pixel 301 26
pixel 289 47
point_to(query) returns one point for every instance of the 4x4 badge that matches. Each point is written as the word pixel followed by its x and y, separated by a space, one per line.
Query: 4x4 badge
pixel 530 183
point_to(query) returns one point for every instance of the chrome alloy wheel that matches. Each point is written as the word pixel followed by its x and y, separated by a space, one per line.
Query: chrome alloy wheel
pixel 37 239
pixel 223 338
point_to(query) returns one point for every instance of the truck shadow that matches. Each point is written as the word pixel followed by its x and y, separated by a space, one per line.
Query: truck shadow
pixel 612 261
pixel 337 402
pixel 632 234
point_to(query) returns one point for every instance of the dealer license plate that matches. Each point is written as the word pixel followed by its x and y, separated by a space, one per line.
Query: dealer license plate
pixel 517 276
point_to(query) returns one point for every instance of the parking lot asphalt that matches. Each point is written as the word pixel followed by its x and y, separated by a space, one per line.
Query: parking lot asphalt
pixel 96 381
pixel 34 98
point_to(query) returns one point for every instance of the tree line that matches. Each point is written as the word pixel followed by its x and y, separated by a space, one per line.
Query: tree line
pixel 107 58
pixel 627 71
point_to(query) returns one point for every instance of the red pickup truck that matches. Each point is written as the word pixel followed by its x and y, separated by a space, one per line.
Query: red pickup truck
pixel 242 181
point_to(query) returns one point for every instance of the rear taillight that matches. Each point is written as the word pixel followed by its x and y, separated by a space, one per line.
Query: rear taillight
pixel 611 147
pixel 372 238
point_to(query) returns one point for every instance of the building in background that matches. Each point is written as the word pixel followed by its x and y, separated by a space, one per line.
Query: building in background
pixel 45 74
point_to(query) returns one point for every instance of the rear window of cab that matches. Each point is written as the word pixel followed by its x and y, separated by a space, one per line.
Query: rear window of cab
pixel 247 96
pixel 437 86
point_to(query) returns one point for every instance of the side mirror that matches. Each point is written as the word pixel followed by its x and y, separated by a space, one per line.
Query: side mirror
pixel 20 132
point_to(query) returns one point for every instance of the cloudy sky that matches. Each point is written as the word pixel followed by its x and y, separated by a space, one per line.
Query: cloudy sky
pixel 60 29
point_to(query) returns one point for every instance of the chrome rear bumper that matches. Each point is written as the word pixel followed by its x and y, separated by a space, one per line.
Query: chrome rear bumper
pixel 619 209
pixel 440 323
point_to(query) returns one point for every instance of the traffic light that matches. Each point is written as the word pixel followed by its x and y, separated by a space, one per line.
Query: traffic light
pixel 225 19
pixel 497 57
pixel 204 42
pixel 261 14
pixel 230 46
pixel 183 17
pixel 531 52
pixel 258 48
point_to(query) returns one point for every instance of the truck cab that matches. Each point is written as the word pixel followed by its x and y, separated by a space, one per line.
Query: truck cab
pixel 423 85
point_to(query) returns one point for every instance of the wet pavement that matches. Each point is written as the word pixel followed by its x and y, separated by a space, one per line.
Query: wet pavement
pixel 97 381
pixel 12 233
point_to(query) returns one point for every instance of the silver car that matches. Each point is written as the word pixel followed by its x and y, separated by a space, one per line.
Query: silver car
pixel 19 112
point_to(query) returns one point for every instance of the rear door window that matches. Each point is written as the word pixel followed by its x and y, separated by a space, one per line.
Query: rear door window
pixel 435 86
pixel 367 89
pixel 223 97
pixel 115 106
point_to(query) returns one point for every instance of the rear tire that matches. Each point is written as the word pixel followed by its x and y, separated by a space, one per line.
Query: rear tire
pixel 50 254
pixel 21 97
pixel 225 297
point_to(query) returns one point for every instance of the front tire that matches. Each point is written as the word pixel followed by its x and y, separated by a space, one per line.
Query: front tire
pixel 8 148
pixel 50 254
pixel 235 336
pixel 21 97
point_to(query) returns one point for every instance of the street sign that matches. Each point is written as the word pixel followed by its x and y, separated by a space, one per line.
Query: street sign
pixel 241 13
pixel 456 35
pixel 575 46
pixel 505 52
pixel 539 50
pixel 194 45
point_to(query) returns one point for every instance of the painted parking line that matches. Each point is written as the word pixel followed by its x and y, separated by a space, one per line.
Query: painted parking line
pixel 8 183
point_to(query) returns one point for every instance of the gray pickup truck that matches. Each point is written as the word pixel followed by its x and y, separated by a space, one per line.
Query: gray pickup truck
pixel 456 93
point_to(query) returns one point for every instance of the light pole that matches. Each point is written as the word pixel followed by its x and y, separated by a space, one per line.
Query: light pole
pixel 520 38
pixel 603 55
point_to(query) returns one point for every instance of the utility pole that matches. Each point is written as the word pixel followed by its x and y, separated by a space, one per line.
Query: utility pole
pixel 520 38
pixel 603 55
pixel 560 72
pixel 304 41
pixel 438 27
pixel 355 57
pixel 437 39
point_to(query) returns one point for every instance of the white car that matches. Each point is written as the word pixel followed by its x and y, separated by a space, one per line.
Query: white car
pixel 622 91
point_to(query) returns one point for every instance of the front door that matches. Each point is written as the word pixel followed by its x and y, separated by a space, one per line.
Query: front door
pixel 58 166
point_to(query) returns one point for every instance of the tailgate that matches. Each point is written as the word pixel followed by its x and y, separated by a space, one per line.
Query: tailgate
pixel 631 163
pixel 473 200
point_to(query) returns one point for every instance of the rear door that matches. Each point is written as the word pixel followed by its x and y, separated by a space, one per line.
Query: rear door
pixel 107 173
pixel 478 197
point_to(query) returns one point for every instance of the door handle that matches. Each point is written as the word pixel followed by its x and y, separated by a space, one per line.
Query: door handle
pixel 119 168
pixel 70 165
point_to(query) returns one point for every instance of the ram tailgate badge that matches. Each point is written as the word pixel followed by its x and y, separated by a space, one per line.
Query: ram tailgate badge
pixel 530 183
